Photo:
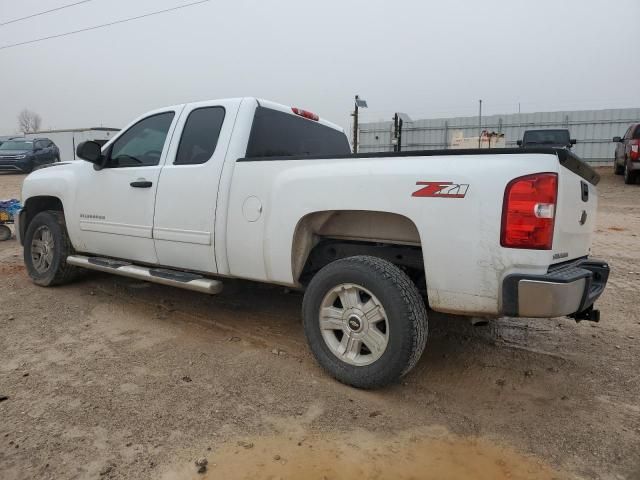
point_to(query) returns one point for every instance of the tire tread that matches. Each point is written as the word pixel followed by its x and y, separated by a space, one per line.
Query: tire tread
pixel 412 302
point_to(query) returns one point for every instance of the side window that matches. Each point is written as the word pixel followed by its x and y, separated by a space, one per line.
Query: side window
pixel 200 136
pixel 627 135
pixel 636 134
pixel 142 144
pixel 38 144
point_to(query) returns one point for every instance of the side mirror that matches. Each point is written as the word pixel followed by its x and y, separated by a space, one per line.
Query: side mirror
pixel 572 141
pixel 617 139
pixel 519 142
pixel 90 151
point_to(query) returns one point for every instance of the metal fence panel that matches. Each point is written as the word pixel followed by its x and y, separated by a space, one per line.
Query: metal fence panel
pixel 593 130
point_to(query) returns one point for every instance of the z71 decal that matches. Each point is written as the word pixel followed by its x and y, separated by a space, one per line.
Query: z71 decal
pixel 441 189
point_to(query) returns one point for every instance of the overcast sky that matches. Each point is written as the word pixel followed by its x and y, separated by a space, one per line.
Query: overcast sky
pixel 426 58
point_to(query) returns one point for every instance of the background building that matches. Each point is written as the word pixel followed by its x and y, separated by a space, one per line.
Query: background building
pixel 593 129
pixel 68 140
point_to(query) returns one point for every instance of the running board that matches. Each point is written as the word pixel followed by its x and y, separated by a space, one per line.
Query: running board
pixel 174 278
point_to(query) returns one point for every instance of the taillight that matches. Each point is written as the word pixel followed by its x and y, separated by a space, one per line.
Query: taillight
pixel 305 113
pixel 528 212
pixel 634 154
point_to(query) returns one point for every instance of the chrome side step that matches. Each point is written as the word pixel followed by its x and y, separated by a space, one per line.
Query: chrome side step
pixel 174 278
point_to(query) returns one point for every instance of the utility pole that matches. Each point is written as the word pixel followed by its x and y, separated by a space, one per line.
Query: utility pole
pixel 480 124
pixel 355 127
pixel 359 103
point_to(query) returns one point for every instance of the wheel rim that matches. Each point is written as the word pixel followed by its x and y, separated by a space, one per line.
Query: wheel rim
pixel 354 324
pixel 42 249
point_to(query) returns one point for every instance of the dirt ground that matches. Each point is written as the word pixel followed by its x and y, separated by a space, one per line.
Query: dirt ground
pixel 114 378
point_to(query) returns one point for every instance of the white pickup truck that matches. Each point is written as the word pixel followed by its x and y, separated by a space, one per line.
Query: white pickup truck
pixel 191 194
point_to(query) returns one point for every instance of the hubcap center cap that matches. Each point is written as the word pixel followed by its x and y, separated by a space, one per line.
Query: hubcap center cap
pixel 355 324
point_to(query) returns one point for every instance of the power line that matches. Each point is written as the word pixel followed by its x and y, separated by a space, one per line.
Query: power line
pixel 95 27
pixel 43 13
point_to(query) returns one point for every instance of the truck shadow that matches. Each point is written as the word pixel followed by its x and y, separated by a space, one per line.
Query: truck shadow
pixel 270 317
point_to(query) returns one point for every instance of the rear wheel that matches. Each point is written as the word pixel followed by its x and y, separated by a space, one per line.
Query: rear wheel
pixel 617 169
pixel 46 248
pixel 629 175
pixel 365 321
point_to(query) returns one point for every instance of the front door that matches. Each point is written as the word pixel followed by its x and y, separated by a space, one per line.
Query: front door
pixel 116 203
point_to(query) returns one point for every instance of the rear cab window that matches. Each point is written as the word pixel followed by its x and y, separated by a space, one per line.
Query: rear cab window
pixel 547 137
pixel 280 134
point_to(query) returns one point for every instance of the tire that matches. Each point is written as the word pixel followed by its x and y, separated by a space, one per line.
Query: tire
pixel 629 175
pixel 5 233
pixel 385 290
pixel 56 271
pixel 617 169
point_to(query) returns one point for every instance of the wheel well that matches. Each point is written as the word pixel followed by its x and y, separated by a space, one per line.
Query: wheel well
pixel 323 237
pixel 35 205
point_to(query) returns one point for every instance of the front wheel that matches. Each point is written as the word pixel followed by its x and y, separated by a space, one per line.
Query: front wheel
pixel 5 233
pixel 46 248
pixel 365 321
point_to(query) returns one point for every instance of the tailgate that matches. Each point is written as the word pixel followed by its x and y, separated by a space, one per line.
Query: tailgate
pixel 575 210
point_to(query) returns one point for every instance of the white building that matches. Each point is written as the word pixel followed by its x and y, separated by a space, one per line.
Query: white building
pixel 68 140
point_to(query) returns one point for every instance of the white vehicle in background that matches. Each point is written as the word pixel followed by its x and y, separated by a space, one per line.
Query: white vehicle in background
pixel 191 194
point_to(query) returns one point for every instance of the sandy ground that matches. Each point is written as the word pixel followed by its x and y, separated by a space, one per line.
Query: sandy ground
pixel 114 378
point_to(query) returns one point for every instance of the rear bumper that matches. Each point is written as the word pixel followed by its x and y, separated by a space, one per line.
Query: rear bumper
pixel 567 290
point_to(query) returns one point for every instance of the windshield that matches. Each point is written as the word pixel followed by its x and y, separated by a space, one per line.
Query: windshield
pixel 547 137
pixel 16 145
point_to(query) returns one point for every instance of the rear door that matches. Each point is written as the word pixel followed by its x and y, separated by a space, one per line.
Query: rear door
pixel 183 227
pixel 40 152
pixel 48 148
pixel 625 145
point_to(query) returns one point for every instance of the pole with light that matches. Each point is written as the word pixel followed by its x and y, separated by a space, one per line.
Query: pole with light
pixel 359 103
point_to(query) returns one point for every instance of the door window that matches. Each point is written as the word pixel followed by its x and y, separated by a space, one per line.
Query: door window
pixel 142 144
pixel 200 136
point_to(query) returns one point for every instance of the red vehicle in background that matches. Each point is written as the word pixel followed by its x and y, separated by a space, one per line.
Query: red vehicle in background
pixel 627 157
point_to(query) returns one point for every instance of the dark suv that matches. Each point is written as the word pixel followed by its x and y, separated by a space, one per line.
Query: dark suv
pixel 25 154
pixel 547 138
pixel 626 160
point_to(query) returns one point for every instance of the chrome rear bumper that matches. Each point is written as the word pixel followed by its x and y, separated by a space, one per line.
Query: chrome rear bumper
pixel 567 290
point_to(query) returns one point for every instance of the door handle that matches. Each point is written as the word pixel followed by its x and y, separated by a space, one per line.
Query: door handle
pixel 141 184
